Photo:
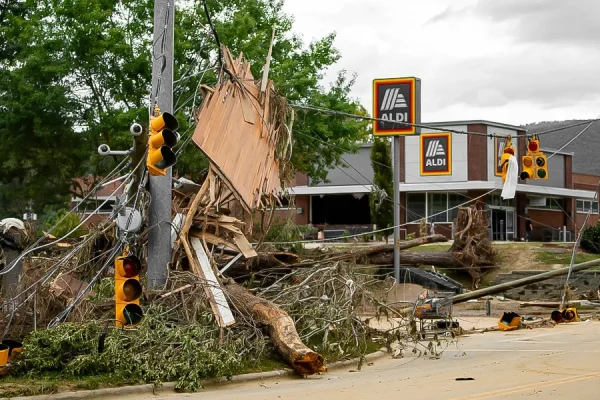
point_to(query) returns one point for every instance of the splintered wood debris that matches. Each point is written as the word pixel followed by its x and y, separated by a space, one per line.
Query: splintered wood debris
pixel 244 133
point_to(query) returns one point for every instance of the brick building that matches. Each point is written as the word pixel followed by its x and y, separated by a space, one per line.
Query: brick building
pixel 441 170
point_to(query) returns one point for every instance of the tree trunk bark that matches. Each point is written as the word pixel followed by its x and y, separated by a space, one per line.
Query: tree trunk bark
pixel 439 259
pixel 285 262
pixel 262 261
pixel 280 328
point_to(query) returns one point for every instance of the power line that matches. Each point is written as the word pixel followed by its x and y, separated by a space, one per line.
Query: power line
pixel 414 176
pixel 402 123
pixel 573 139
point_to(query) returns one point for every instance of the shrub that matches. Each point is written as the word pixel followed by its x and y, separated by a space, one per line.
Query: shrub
pixel 67 225
pixel 590 241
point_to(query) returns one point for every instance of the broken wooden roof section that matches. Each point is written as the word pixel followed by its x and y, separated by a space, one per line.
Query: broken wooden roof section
pixel 242 130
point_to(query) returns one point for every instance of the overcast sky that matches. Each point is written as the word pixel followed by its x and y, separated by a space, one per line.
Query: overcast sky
pixel 511 61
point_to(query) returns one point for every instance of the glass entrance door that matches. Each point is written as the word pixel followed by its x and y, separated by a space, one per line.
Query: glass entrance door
pixel 510 225
pixel 501 223
pixel 498 224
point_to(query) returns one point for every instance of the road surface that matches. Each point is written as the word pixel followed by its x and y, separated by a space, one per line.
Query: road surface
pixel 543 363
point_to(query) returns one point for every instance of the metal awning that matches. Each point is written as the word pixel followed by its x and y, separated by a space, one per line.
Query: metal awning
pixel 444 187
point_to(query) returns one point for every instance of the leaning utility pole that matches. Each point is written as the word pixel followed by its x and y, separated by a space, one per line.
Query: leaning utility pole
pixel 159 220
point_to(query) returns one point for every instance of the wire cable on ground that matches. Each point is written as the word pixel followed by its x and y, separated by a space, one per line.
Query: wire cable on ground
pixel 65 313
pixel 30 250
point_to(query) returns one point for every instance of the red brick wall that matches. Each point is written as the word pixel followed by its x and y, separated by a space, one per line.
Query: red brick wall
pixel 585 182
pixel 304 202
pixel 477 153
pixel 569 171
pixel 547 219
pixel 521 204
pixel 301 179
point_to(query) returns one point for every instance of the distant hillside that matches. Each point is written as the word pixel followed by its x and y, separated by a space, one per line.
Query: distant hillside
pixel 585 149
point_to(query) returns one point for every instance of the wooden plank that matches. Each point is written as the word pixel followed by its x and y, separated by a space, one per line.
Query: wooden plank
pixel 247 108
pixel 243 245
pixel 213 239
pixel 216 297
pixel 242 151
pixel 178 222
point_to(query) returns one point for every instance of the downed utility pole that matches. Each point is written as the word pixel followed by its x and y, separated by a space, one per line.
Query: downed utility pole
pixel 159 218
pixel 475 294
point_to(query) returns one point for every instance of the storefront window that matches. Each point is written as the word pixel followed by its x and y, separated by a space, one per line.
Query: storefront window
pixel 454 200
pixel 415 207
pixel 545 203
pixel 584 206
pixel 437 207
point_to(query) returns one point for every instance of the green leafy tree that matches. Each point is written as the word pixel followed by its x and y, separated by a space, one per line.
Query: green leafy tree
pixel 381 198
pixel 76 73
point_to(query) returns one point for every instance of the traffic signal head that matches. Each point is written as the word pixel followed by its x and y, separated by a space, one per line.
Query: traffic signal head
pixel 541 166
pixel 504 163
pixel 527 168
pixel 533 146
pixel 162 139
pixel 128 291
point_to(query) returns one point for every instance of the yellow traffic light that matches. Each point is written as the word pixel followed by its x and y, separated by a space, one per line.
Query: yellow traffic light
pixel 568 315
pixel 527 168
pixel 508 152
pixel 533 146
pixel 162 138
pixel 541 166
pixel 128 291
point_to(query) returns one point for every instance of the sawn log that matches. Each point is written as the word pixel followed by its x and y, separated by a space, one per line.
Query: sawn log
pixel 280 328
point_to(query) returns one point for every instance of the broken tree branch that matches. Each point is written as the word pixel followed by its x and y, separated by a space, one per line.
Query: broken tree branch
pixel 280 327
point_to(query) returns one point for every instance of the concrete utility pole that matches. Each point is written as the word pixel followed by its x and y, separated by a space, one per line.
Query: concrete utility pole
pixel 396 164
pixel 159 236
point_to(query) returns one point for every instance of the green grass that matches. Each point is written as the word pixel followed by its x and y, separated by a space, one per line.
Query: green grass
pixel 432 247
pixel 564 258
pixel 11 386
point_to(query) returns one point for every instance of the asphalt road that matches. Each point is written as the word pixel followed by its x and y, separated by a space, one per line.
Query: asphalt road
pixel 543 363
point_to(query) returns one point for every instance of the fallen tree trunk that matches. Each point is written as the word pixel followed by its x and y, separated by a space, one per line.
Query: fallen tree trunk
pixel 364 254
pixel 261 262
pixel 280 328
pixel 443 259
pixel 284 262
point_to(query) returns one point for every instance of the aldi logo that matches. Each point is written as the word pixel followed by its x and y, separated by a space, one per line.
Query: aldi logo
pixel 397 100
pixel 436 153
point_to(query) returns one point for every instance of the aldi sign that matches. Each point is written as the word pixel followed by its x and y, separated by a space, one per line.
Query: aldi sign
pixel 397 100
pixel 436 153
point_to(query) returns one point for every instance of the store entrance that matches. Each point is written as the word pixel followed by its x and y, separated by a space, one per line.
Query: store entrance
pixel 501 223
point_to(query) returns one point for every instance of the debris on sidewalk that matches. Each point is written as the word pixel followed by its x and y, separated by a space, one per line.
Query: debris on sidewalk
pixel 509 321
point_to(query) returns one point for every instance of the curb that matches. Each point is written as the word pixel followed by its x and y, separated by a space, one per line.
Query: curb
pixel 170 386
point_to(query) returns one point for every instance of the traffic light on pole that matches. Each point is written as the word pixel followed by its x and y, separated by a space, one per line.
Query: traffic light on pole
pixel 533 146
pixel 527 167
pixel 128 291
pixel 506 154
pixel 163 138
pixel 541 166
